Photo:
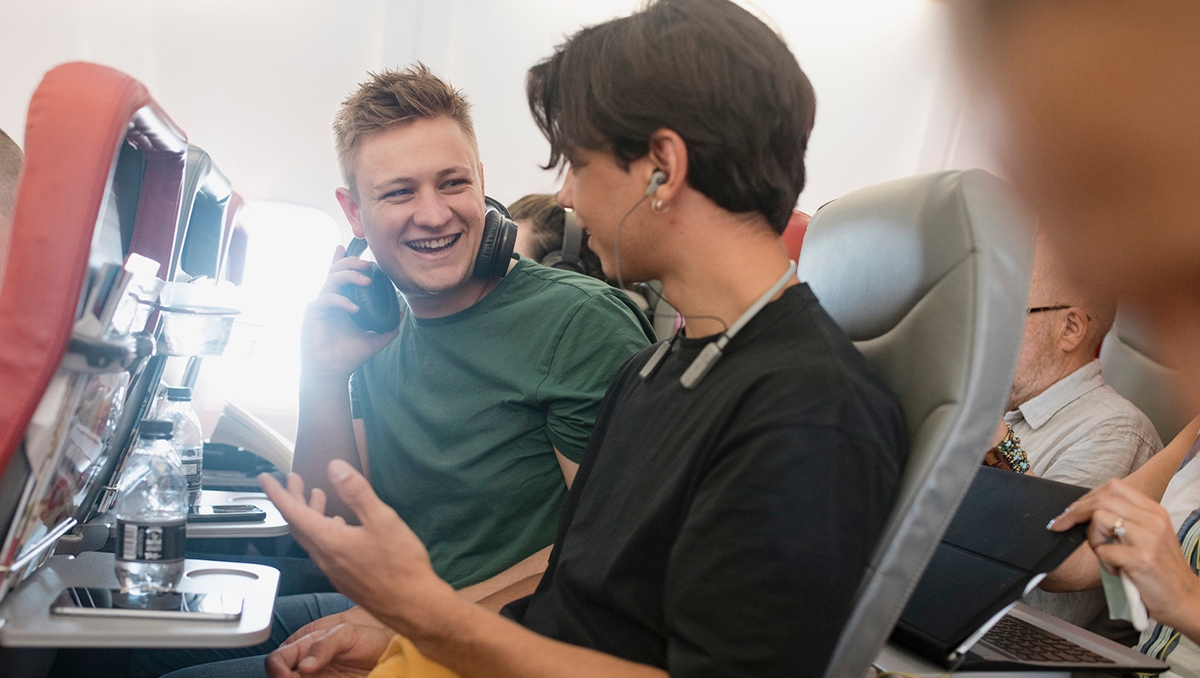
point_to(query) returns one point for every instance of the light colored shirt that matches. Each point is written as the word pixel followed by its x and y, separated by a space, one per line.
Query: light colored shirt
pixel 1080 431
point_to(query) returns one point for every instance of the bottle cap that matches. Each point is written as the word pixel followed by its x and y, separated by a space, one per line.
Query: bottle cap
pixel 156 429
pixel 179 393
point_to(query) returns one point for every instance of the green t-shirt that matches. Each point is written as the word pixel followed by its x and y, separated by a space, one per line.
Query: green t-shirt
pixel 462 413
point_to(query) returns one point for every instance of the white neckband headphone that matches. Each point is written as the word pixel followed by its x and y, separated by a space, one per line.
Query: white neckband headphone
pixel 713 351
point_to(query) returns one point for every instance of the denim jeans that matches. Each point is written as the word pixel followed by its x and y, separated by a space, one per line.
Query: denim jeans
pixel 291 613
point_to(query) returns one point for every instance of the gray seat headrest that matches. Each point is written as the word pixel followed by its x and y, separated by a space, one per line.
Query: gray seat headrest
pixel 1133 366
pixel 929 277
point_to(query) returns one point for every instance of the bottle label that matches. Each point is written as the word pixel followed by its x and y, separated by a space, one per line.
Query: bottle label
pixel 194 470
pixel 152 542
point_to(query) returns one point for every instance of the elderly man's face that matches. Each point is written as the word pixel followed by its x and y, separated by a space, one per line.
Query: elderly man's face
pixel 1103 136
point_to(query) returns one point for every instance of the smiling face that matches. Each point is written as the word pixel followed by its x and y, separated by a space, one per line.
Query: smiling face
pixel 418 200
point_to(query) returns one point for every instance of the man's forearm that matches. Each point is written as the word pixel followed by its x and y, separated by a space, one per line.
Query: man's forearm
pixel 325 432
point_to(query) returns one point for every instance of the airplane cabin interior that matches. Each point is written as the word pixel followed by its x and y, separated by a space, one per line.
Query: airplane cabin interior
pixel 175 215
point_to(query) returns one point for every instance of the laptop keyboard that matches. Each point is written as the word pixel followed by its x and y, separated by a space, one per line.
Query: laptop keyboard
pixel 1025 641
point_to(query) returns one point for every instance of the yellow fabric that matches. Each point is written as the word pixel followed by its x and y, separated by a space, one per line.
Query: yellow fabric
pixel 402 660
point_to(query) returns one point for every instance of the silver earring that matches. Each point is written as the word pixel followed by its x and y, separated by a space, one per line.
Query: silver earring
pixel 658 206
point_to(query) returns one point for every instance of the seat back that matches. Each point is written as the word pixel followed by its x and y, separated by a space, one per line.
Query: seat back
pixel 928 276
pixel 102 176
pixel 200 235
pixel 233 258
pixel 793 234
pixel 1131 365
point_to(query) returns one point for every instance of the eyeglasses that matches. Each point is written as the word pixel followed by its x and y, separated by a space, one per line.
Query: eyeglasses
pixel 1040 309
pixel 1058 307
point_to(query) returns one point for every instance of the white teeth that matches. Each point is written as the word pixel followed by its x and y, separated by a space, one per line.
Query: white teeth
pixel 435 244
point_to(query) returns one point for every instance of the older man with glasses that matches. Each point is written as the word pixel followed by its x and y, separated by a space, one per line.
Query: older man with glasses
pixel 1063 422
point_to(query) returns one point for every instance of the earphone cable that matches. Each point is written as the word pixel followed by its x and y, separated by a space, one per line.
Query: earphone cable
pixel 660 295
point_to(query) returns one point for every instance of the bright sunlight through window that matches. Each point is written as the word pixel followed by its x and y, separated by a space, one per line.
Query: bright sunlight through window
pixel 287 257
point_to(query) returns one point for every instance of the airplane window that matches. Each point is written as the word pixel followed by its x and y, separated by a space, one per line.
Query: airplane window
pixel 287 256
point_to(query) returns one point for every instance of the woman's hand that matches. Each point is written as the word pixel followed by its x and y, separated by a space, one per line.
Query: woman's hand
pixel 1132 533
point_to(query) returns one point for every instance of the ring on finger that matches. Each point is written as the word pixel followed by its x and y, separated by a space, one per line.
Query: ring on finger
pixel 1118 528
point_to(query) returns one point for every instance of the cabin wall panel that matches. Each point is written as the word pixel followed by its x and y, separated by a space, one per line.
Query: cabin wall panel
pixel 256 82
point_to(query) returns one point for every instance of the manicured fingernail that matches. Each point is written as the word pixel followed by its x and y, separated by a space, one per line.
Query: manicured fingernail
pixel 307 663
pixel 1050 525
pixel 339 470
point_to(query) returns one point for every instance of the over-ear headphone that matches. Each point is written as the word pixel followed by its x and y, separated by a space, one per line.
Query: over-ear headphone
pixel 496 246
pixel 568 258
pixel 378 307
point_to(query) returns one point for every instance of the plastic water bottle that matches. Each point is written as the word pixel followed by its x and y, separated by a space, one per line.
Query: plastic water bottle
pixel 151 514
pixel 188 439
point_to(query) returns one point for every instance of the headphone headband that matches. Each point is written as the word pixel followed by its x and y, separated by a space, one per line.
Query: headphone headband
pixel 496 205
pixel 569 255
pixel 572 243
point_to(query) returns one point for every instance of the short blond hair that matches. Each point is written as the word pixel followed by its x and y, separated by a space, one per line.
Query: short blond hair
pixel 396 97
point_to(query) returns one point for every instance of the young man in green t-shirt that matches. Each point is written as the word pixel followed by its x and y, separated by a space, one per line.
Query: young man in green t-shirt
pixel 471 417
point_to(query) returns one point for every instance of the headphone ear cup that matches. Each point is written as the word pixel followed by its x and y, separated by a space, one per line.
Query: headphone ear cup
pixel 567 258
pixel 378 306
pixel 495 246
pixel 556 259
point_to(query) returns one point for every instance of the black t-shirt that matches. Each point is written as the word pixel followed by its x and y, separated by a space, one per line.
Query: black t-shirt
pixel 723 531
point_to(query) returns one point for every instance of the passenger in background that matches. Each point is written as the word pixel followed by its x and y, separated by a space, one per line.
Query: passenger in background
pixel 1074 428
pixel 1102 114
pixel 540 236
pixel 470 419
pixel 725 510
pixel 11 160
pixel 543 236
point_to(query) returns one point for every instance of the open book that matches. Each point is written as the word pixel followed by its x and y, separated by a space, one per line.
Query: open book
pixel 238 427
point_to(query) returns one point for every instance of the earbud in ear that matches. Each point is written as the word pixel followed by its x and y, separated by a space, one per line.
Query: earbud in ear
pixel 657 179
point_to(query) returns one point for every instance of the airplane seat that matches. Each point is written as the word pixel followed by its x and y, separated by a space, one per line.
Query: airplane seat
pixel 202 246
pixel 928 276
pixel 1131 364
pixel 102 177
pixel 236 239
pixel 200 239
pixel 793 234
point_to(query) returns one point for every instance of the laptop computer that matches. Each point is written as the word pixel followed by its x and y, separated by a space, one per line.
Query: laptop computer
pixel 963 613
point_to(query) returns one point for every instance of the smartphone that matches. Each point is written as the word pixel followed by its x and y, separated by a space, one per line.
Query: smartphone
pixel 226 513
pixel 81 601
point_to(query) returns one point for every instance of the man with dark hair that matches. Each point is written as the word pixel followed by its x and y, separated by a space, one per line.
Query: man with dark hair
pixel 11 160
pixel 726 508
pixel 469 418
